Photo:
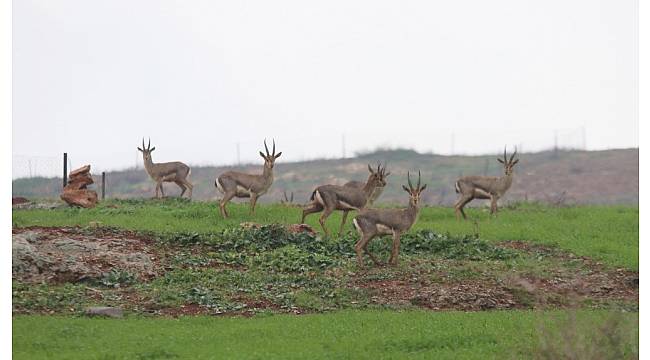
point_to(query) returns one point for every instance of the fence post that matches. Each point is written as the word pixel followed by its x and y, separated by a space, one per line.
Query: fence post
pixel 103 185
pixel 65 169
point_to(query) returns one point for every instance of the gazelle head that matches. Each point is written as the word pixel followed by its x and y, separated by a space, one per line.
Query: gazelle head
pixel 287 200
pixel 269 159
pixel 508 164
pixel 414 192
pixel 146 151
pixel 377 177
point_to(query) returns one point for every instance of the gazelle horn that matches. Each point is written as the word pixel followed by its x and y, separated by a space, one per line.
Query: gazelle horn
pixel 513 154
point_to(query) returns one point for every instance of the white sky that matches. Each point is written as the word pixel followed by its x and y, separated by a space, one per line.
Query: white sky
pixel 93 77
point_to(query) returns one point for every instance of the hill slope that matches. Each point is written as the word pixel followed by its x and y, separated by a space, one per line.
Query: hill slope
pixel 586 177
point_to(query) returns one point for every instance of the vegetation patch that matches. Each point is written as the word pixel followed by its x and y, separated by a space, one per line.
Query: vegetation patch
pixel 252 270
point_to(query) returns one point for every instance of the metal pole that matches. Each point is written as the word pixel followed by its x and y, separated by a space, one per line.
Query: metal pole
pixel 65 169
pixel 103 185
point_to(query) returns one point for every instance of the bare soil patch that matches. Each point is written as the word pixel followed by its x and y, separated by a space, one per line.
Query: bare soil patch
pixel 54 255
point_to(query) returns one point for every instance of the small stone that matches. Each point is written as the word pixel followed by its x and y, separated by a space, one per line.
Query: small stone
pixel 104 311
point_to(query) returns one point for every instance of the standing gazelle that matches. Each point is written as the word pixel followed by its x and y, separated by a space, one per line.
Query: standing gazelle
pixel 176 171
pixel 378 190
pixel 237 184
pixel 377 222
pixel 485 187
pixel 328 198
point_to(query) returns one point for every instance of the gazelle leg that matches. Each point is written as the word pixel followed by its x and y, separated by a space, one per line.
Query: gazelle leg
pixel 253 202
pixel 345 216
pixel 189 186
pixel 460 204
pixel 395 252
pixel 180 185
pixel 162 190
pixel 326 213
pixel 159 187
pixel 222 204
pixel 310 209
pixel 374 259
pixel 361 246
pixel 493 205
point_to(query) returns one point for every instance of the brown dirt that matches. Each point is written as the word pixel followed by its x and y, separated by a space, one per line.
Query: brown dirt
pixel 56 255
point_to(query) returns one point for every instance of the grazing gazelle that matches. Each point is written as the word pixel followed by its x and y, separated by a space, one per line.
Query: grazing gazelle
pixel 378 190
pixel 485 187
pixel 237 184
pixel 176 171
pixel 328 198
pixel 377 222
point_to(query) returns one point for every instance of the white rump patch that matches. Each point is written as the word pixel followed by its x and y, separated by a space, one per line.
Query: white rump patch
pixel 218 185
pixel 319 198
pixel 356 225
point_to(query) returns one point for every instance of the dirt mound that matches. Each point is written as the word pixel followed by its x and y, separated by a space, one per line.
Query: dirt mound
pixel 18 200
pixel 69 255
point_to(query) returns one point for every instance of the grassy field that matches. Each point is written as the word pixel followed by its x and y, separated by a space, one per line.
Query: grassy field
pixel 342 335
pixel 606 233
pixel 538 298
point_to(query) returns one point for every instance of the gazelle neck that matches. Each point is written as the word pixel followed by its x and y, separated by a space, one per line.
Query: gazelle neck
pixel 267 173
pixel 413 211
pixel 369 186
pixel 148 163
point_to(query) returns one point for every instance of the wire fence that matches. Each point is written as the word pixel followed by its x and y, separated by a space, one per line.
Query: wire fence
pixel 29 166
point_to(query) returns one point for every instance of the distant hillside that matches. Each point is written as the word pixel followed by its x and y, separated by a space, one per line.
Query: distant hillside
pixel 593 177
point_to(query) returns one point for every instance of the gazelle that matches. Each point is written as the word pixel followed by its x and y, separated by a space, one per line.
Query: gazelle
pixel 377 222
pixel 378 190
pixel 287 200
pixel 485 187
pixel 176 171
pixel 237 184
pixel 328 198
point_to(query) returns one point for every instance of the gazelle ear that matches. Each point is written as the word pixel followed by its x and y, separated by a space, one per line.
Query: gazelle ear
pixel 386 174
pixel 262 155
pixel 278 154
pixel 140 149
pixel 501 161
pixel 516 161
pixel 370 169
pixel 154 148
pixel 406 189
pixel 423 187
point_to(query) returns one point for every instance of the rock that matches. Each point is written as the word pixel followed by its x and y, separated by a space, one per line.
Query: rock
pixel 104 311
pixel 25 257
pixel 83 198
pixel 18 200
pixel 75 192
pixel 42 255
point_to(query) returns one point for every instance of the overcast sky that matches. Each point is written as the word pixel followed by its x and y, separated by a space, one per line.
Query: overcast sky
pixel 198 77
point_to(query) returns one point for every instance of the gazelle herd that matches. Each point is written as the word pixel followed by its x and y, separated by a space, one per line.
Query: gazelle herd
pixel 352 196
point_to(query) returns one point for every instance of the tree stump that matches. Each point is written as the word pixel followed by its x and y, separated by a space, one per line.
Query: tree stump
pixel 76 193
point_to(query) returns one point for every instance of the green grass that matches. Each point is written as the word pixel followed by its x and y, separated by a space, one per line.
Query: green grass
pixel 345 335
pixel 606 233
